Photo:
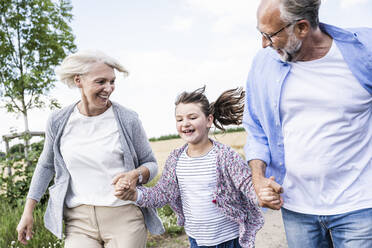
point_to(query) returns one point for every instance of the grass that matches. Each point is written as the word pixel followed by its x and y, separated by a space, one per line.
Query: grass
pixel 9 218
pixel 165 137
pixel 168 241
pixel 167 215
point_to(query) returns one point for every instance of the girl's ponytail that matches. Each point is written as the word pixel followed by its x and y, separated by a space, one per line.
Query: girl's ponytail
pixel 228 108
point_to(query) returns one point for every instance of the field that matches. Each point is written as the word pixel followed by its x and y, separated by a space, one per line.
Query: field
pixel 162 148
pixel 270 236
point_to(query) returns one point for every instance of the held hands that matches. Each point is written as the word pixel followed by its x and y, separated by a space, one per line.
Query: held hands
pixel 268 192
pixel 125 185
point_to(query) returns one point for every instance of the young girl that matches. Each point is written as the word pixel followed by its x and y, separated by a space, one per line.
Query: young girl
pixel 206 183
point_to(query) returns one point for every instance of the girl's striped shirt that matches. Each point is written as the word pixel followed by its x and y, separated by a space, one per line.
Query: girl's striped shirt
pixel 197 182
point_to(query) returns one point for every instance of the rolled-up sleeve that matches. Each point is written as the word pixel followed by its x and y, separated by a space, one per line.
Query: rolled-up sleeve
pixel 257 146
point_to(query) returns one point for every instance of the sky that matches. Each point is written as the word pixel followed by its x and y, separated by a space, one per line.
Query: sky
pixel 169 46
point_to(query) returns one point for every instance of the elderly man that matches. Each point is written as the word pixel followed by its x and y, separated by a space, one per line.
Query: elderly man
pixel 308 118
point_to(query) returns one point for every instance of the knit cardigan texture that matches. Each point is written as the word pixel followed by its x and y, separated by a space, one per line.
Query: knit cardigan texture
pixel 136 152
pixel 234 195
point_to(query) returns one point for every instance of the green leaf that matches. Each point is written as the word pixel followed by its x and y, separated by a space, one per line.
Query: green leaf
pixel 34 38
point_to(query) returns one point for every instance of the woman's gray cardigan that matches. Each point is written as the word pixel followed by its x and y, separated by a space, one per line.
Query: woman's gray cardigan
pixel 137 151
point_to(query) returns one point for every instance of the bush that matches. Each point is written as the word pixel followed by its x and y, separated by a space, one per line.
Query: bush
pixel 13 191
pixel 10 216
pixel 167 215
pixel 169 219
pixel 14 188
pixel 17 149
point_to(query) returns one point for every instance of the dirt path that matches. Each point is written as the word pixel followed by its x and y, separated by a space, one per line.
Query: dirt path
pixel 272 235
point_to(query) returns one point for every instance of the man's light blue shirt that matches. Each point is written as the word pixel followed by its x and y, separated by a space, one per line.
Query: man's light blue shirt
pixel 262 120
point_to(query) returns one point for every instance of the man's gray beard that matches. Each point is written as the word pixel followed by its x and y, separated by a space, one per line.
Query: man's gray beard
pixel 292 47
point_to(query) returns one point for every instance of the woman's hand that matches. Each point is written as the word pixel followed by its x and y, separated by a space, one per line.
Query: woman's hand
pixel 125 185
pixel 24 227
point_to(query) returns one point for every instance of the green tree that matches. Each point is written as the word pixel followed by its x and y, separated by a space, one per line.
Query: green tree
pixel 34 37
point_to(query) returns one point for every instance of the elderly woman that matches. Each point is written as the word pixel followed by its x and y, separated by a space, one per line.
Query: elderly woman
pixel 88 146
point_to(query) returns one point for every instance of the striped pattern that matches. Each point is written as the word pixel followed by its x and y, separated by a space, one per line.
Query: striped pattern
pixel 197 181
pixel 234 193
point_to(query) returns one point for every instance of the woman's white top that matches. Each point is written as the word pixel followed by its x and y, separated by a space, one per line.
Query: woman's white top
pixel 93 155
pixel 197 181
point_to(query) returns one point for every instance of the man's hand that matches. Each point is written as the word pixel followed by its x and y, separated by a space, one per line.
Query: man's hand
pixel 268 192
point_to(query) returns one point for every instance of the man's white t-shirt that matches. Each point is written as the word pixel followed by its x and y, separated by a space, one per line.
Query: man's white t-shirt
pixel 327 128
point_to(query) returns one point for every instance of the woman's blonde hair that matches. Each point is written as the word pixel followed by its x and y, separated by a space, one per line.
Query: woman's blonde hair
pixel 80 63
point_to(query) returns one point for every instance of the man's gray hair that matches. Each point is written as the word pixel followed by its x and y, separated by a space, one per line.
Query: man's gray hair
pixel 293 10
pixel 80 63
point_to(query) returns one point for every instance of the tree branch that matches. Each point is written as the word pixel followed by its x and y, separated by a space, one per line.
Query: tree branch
pixel 14 103
pixel 29 104
pixel 19 49
pixel 2 78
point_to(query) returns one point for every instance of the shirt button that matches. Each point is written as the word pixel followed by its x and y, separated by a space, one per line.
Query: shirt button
pixel 277 123
pixel 280 163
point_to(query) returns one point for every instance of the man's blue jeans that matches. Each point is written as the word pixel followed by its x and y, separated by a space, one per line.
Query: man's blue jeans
pixel 352 229
pixel 228 244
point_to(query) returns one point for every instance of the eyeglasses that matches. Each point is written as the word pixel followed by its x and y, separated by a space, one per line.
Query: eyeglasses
pixel 270 36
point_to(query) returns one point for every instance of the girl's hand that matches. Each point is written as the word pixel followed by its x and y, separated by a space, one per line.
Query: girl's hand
pixel 268 192
pixel 125 191
pixel 24 228
pixel 270 197
pixel 125 185
pixel 129 194
pixel 131 177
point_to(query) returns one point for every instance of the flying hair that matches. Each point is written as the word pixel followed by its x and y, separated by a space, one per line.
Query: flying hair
pixel 226 110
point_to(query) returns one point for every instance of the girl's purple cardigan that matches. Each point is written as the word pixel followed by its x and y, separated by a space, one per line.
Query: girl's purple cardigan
pixel 234 195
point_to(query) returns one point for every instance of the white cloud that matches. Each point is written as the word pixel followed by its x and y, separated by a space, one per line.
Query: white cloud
pixel 348 3
pixel 228 16
pixel 180 24
pixel 222 7
pixel 224 41
pixel 157 77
